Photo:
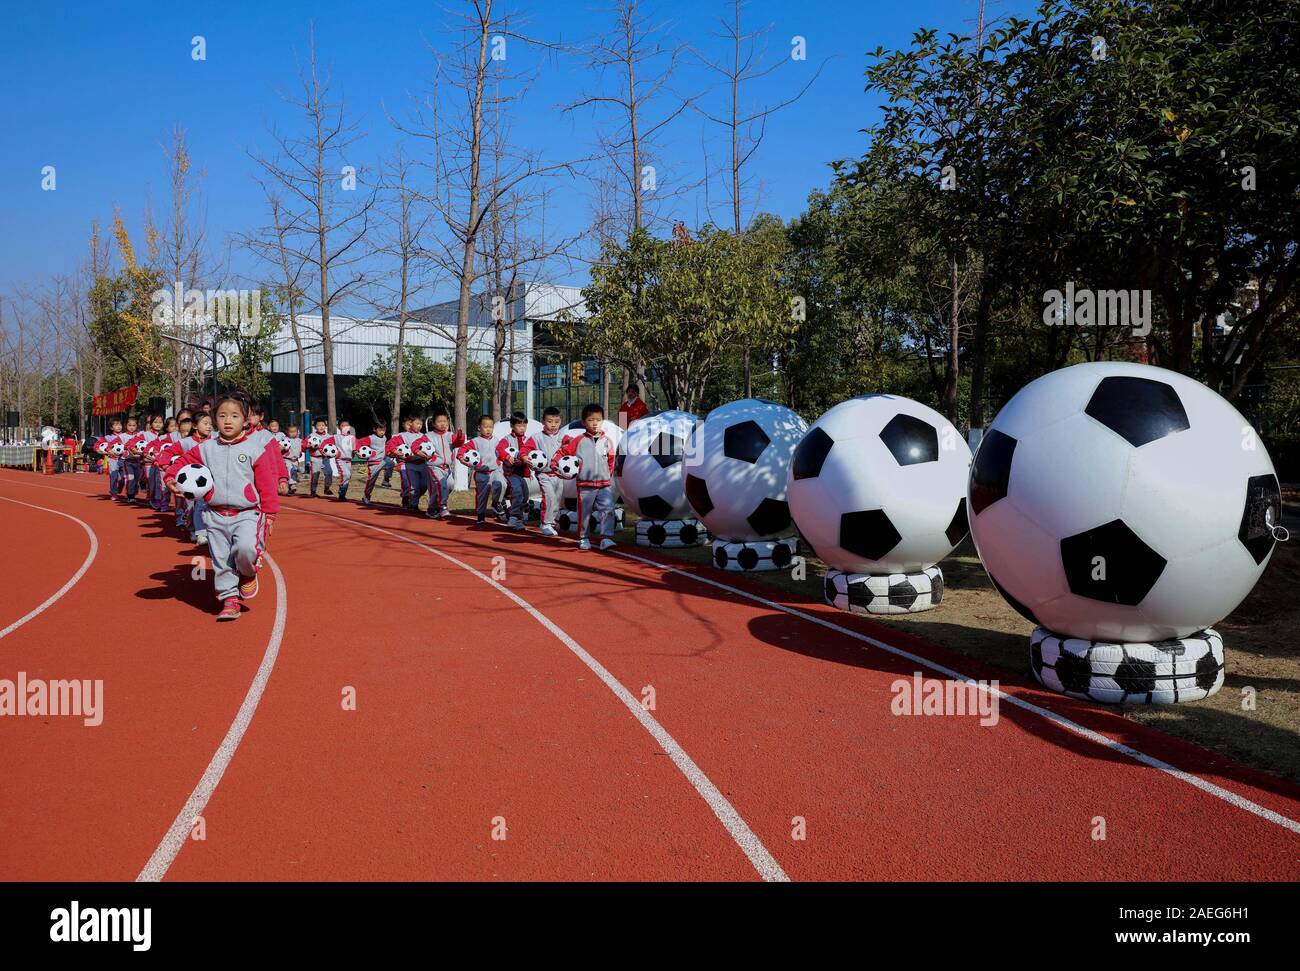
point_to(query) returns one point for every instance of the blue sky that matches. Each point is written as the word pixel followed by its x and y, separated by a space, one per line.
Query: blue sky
pixel 94 88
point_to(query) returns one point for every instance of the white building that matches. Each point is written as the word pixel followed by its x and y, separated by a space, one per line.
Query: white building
pixel 359 343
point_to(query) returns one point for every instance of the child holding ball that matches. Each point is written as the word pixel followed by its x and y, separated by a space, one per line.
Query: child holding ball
pixel 245 468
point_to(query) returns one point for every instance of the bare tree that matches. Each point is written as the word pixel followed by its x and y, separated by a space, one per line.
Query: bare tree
pixel 181 241
pixel 327 232
pixel 406 217
pixel 272 244
pixel 633 105
pixel 470 82
pixel 745 125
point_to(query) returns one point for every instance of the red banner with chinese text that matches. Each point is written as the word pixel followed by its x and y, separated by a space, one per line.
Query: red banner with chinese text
pixel 110 403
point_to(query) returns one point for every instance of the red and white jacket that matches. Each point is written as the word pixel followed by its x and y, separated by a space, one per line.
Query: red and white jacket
pixel 489 461
pixel 596 453
pixel 548 445
pixel 245 472
pixel 446 445
pixel 522 444
pixel 380 445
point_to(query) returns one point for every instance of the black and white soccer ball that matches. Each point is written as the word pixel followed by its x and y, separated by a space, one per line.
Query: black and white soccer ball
pixel 512 454
pixel 117 448
pixel 425 449
pixel 194 480
pixel 329 450
pixel 314 440
pixel 568 466
pixel 735 469
pixel 101 447
pixel 363 452
pixel 1160 672
pixel 878 485
pixel 286 445
pixel 1123 502
pixel 402 450
pixel 536 460
pixel 470 458
pixel 647 469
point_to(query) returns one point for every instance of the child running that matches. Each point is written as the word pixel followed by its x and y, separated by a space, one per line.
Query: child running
pixel 245 481
pixel 381 461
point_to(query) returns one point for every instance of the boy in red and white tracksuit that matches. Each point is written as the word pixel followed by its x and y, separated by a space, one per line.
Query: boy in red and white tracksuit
pixel 345 440
pixel 596 451
pixel 516 473
pixel 399 460
pixel 245 469
pixel 488 484
pixel 550 485
pixel 291 456
pixel 442 471
pixel 377 441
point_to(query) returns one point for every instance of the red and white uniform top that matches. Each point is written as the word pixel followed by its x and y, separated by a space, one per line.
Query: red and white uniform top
pixel 245 472
pixel 548 445
pixel 379 444
pixel 596 453
pixel 522 444
pixel 489 461
pixel 411 439
pixel 445 447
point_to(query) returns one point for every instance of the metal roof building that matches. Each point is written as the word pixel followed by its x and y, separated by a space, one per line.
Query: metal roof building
pixel 359 343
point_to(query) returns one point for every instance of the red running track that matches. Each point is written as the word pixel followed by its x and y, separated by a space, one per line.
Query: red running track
pixel 473 713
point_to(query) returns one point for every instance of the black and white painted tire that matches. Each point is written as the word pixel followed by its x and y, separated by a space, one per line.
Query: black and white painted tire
pixel 893 593
pixel 755 557
pixel 1158 673
pixel 670 532
pixel 566 521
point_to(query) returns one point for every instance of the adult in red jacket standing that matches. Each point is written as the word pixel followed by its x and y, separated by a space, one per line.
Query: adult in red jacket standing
pixel 632 407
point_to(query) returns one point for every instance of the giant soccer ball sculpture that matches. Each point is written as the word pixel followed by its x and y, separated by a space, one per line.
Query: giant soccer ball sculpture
pixel 735 471
pixel 878 490
pixel 648 474
pixel 1124 509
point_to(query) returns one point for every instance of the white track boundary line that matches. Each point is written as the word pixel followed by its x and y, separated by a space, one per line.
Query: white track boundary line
pixel 81 572
pixel 174 839
pixel 1232 798
pixel 739 830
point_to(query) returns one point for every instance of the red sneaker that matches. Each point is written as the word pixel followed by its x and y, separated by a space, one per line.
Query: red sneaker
pixel 248 587
pixel 229 610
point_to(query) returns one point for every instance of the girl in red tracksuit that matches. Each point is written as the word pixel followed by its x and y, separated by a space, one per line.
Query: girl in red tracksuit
pixel 596 451
pixel 242 506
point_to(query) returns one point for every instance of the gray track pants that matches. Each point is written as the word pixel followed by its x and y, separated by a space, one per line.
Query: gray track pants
pixel 235 543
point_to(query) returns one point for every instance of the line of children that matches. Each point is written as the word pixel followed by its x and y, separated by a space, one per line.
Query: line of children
pixel 252 466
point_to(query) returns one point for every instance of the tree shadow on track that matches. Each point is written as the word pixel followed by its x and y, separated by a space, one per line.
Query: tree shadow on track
pixel 793 634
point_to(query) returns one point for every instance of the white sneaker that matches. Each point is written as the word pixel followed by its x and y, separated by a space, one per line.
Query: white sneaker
pixel 548 530
pixel 607 544
pixel 201 537
pixel 584 545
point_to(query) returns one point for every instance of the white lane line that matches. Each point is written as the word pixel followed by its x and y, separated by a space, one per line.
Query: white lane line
pixel 81 572
pixel 745 838
pixel 1232 798
pixel 179 832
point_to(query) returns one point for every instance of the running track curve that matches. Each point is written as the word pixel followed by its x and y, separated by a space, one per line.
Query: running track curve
pixel 472 717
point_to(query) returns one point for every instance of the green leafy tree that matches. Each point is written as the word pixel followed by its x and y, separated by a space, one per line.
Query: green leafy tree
pixel 684 306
